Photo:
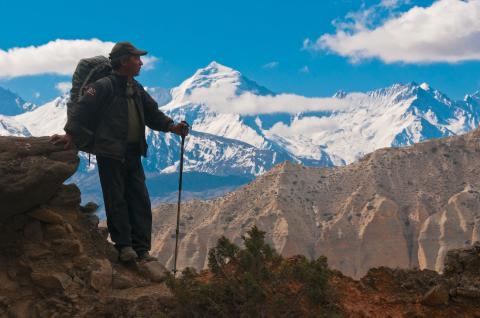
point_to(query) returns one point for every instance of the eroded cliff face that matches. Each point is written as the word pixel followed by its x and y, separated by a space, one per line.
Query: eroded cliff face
pixel 396 207
pixel 54 260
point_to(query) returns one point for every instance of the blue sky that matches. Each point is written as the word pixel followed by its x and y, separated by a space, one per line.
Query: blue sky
pixel 309 47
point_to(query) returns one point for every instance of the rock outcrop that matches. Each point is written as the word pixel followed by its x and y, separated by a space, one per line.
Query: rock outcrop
pixel 32 170
pixel 54 260
pixel 396 207
pixel 386 292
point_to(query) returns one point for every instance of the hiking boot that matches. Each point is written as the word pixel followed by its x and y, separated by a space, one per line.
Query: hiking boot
pixel 127 254
pixel 146 257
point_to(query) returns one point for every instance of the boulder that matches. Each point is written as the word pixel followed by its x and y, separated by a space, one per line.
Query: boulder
pixel 59 281
pixel 31 171
pixel 47 216
pixel 101 279
pixel 33 231
pixel 20 309
pixel 7 284
pixel 70 247
pixel 437 295
pixel 155 271
pixel 55 231
pixel 467 292
pixel 90 207
pixel 121 282
pixel 93 220
pixel 68 195
pixel 38 253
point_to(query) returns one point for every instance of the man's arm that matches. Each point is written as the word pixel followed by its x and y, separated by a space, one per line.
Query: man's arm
pixel 154 118
pixel 157 120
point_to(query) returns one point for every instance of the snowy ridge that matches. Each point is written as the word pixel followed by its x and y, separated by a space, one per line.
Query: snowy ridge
pixel 12 104
pixel 161 95
pixel 232 144
pixel 10 127
pixel 48 119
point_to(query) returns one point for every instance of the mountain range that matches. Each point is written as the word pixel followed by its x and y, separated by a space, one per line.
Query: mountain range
pixel 396 207
pixel 239 133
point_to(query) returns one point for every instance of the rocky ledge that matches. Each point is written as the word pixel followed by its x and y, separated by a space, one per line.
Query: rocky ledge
pixel 386 292
pixel 54 259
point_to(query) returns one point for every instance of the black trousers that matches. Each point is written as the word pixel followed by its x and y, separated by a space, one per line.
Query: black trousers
pixel 127 203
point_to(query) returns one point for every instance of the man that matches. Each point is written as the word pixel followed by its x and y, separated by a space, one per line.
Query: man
pixel 122 108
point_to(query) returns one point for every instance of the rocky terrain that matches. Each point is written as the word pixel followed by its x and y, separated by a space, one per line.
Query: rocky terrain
pixel 396 207
pixel 54 260
pixel 385 292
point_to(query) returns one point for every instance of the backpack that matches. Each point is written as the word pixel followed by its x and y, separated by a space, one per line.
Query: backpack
pixel 88 70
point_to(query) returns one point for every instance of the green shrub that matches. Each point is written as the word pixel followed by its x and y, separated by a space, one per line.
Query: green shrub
pixel 253 282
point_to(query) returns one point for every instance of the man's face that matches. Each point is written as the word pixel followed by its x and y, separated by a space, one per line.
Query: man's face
pixel 131 65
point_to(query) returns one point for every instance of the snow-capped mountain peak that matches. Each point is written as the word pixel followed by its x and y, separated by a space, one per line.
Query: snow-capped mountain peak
pixel 214 68
pixel 425 86
pixel 214 75
pixel 226 141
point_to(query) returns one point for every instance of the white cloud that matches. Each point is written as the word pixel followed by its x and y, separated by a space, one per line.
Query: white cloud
pixel 149 62
pixel 56 57
pixel 393 3
pixel 271 65
pixel 63 87
pixel 224 100
pixel 304 126
pixel 447 31
pixel 304 69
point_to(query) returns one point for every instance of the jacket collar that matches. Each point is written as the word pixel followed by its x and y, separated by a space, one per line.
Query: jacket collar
pixel 121 82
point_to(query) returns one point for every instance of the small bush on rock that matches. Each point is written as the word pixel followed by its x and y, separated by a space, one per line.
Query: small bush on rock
pixel 253 282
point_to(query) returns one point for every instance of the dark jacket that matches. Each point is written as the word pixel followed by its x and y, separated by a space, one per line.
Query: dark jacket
pixel 100 117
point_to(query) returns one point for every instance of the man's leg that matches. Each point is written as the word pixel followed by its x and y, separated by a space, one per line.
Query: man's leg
pixel 139 206
pixel 112 178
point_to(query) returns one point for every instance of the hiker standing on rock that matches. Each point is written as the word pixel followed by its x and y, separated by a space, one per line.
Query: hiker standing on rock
pixel 120 108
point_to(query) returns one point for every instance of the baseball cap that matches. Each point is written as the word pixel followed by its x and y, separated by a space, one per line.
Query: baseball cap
pixel 125 48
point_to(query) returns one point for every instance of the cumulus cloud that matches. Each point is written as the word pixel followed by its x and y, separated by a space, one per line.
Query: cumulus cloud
pixel 55 57
pixel 63 87
pixel 447 31
pixel 304 126
pixel 271 65
pixel 149 62
pixel 224 99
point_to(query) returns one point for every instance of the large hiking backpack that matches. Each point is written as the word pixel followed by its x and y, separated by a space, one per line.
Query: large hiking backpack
pixel 88 71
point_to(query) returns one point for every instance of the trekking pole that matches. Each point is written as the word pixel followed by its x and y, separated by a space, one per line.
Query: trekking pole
pixel 178 206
